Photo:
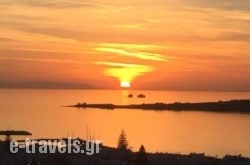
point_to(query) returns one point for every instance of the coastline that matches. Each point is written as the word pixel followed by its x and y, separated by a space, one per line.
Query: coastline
pixel 233 106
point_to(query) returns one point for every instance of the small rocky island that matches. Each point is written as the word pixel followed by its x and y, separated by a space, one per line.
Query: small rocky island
pixel 236 106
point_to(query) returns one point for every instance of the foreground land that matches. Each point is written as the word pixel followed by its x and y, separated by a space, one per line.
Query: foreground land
pixel 237 106
pixel 113 156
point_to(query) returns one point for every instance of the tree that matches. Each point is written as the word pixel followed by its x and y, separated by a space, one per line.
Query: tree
pixel 122 141
pixel 7 143
pixel 141 157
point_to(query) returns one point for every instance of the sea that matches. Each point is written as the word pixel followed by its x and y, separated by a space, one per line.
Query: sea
pixel 43 113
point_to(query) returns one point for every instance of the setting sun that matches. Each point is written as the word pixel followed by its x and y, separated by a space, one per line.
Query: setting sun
pixel 125 84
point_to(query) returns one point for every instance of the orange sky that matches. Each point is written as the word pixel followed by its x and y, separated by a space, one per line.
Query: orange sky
pixel 160 44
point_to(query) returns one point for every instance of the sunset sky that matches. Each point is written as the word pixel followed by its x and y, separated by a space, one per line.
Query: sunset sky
pixel 153 44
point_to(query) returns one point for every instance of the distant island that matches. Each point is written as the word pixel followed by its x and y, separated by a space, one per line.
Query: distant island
pixel 236 106
pixel 45 85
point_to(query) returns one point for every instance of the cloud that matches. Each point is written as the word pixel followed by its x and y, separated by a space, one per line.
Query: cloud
pixel 5 39
pixel 140 55
pixel 52 3
pixel 115 64
pixel 124 71
pixel 35 25
pixel 26 36
pixel 38 60
pixel 224 37
pixel 242 5
pixel 131 50
pixel 21 17
pixel 49 50
pixel 130 26
pixel 133 46
pixel 234 36
pixel 151 20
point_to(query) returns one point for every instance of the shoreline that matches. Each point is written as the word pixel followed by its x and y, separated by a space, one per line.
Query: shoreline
pixel 233 106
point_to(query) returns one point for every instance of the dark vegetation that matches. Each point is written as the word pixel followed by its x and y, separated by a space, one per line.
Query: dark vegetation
pixel 121 155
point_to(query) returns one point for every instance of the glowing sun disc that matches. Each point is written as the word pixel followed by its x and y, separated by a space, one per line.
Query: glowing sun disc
pixel 125 84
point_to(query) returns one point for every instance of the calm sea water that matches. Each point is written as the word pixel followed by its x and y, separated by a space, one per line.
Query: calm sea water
pixel 42 113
